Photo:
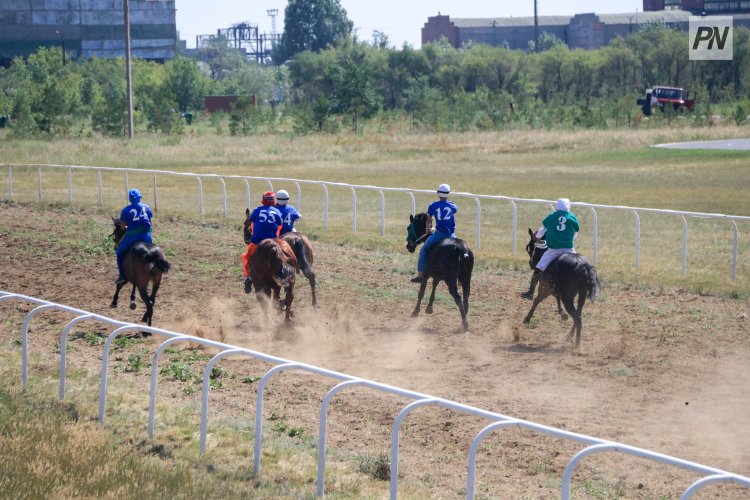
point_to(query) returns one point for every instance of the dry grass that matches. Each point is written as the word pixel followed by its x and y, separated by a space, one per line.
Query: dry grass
pixel 604 167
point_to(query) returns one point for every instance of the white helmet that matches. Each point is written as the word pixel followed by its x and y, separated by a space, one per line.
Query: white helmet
pixel 563 204
pixel 282 197
pixel 443 190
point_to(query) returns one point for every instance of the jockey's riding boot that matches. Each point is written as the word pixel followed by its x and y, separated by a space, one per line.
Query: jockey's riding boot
pixel 419 278
pixel 529 294
pixel 248 285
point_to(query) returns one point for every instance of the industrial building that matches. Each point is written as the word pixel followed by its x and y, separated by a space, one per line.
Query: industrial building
pixel 88 28
pixel 584 31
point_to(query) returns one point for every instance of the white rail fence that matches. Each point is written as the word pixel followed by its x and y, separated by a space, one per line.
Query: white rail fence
pixel 591 445
pixel 680 217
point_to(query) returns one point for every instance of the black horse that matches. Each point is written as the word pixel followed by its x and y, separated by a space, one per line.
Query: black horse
pixel 451 260
pixel 143 263
pixel 566 277
pixel 302 250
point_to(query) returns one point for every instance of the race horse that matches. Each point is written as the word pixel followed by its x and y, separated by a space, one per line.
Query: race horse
pixel 273 267
pixel 451 260
pixel 143 263
pixel 302 250
pixel 566 277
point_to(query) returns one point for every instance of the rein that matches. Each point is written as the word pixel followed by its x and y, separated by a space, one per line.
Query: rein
pixel 411 234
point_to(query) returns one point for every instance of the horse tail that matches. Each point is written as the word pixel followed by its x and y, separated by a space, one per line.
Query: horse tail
pixel 593 281
pixel 300 250
pixel 284 270
pixel 155 259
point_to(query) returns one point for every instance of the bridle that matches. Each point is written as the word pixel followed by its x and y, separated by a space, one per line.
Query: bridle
pixel 411 235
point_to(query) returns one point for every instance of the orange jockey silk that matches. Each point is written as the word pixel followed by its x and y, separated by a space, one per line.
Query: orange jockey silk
pixel 248 254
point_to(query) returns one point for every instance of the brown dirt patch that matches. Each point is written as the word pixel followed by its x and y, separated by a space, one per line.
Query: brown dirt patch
pixel 660 369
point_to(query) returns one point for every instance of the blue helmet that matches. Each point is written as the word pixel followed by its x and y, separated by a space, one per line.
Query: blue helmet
pixel 134 196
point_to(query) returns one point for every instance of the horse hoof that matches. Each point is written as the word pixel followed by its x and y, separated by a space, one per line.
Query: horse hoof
pixel 415 314
pixel 113 305
pixel 428 310
pixel 564 317
pixel 526 321
pixel 132 306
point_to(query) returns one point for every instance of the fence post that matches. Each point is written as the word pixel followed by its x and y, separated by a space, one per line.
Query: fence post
pixel 10 183
pixel 479 222
pixel 596 234
pixel 382 213
pixel 156 206
pixel 70 186
pixel 200 194
pixel 637 239
pixel 325 206
pixel 127 187
pixel 299 197
pixel 39 184
pixel 515 226
pixel 224 193
pixel 684 243
pixel 734 249
pixel 99 183
pixel 354 209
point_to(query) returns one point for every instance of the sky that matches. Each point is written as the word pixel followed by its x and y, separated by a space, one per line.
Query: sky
pixel 401 21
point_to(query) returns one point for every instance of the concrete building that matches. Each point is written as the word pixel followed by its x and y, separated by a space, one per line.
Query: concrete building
pixel 88 28
pixel 709 7
pixel 580 31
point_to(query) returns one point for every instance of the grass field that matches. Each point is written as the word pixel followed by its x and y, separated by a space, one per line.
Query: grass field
pixel 615 168
pixel 603 167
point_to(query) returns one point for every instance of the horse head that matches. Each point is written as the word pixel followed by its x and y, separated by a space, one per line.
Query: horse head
pixel 535 248
pixel 417 231
pixel 119 230
pixel 247 231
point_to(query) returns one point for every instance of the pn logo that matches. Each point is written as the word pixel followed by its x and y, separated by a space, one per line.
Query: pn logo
pixel 710 38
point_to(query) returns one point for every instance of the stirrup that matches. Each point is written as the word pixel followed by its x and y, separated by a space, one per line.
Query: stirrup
pixel 121 281
pixel 248 285
pixel 528 294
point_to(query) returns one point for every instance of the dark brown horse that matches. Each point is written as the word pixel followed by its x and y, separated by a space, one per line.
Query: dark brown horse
pixel 273 267
pixel 566 277
pixel 451 260
pixel 143 263
pixel 302 250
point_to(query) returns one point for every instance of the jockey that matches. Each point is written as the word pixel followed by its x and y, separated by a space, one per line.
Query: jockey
pixel 444 212
pixel 137 217
pixel 560 228
pixel 265 222
pixel 288 213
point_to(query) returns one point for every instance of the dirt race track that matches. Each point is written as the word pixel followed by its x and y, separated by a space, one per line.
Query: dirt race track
pixel 666 370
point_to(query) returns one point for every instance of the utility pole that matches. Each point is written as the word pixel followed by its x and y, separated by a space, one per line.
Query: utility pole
pixel 126 6
pixel 536 28
pixel 62 44
pixel 272 14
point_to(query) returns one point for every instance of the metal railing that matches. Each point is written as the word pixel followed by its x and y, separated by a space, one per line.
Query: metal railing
pixel 681 217
pixel 498 421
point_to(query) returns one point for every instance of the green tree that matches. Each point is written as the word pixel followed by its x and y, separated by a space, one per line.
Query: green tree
pixel 186 82
pixel 312 25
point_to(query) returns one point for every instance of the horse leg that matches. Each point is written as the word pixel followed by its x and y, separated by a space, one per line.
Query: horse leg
pixel 420 296
pixel 453 289
pixel 132 298
pixel 277 298
pixel 149 307
pixel 543 293
pixel 288 298
pixel 428 310
pixel 310 275
pixel 560 311
pixel 152 298
pixel 466 288
pixel 576 315
pixel 117 294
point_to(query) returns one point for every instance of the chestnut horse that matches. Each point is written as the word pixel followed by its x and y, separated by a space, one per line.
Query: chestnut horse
pixel 273 267
pixel 143 263
pixel 566 277
pixel 451 260
pixel 302 250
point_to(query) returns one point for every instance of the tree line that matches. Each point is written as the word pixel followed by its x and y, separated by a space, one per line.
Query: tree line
pixel 347 83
